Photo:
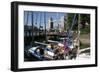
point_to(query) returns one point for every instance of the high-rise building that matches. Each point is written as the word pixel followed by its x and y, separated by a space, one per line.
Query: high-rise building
pixel 51 24
pixel 56 24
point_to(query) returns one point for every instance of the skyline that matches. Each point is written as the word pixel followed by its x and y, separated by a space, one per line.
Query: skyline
pixel 42 18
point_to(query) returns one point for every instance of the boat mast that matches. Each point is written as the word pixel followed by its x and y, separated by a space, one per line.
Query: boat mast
pixel 45 25
pixel 78 34
pixel 32 22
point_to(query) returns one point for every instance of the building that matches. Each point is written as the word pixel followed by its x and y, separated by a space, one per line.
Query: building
pixel 56 24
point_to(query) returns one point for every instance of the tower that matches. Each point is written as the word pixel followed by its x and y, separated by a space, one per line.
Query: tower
pixel 51 24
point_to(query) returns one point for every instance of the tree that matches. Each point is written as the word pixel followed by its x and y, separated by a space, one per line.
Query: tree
pixel 85 17
pixel 69 21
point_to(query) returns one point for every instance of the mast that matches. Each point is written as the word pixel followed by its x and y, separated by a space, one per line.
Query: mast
pixel 73 22
pixel 58 21
pixel 32 22
pixel 26 23
pixel 78 35
pixel 45 25
pixel 26 18
pixel 40 22
pixel 36 18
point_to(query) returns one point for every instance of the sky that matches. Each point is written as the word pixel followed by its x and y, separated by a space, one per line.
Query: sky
pixel 38 17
